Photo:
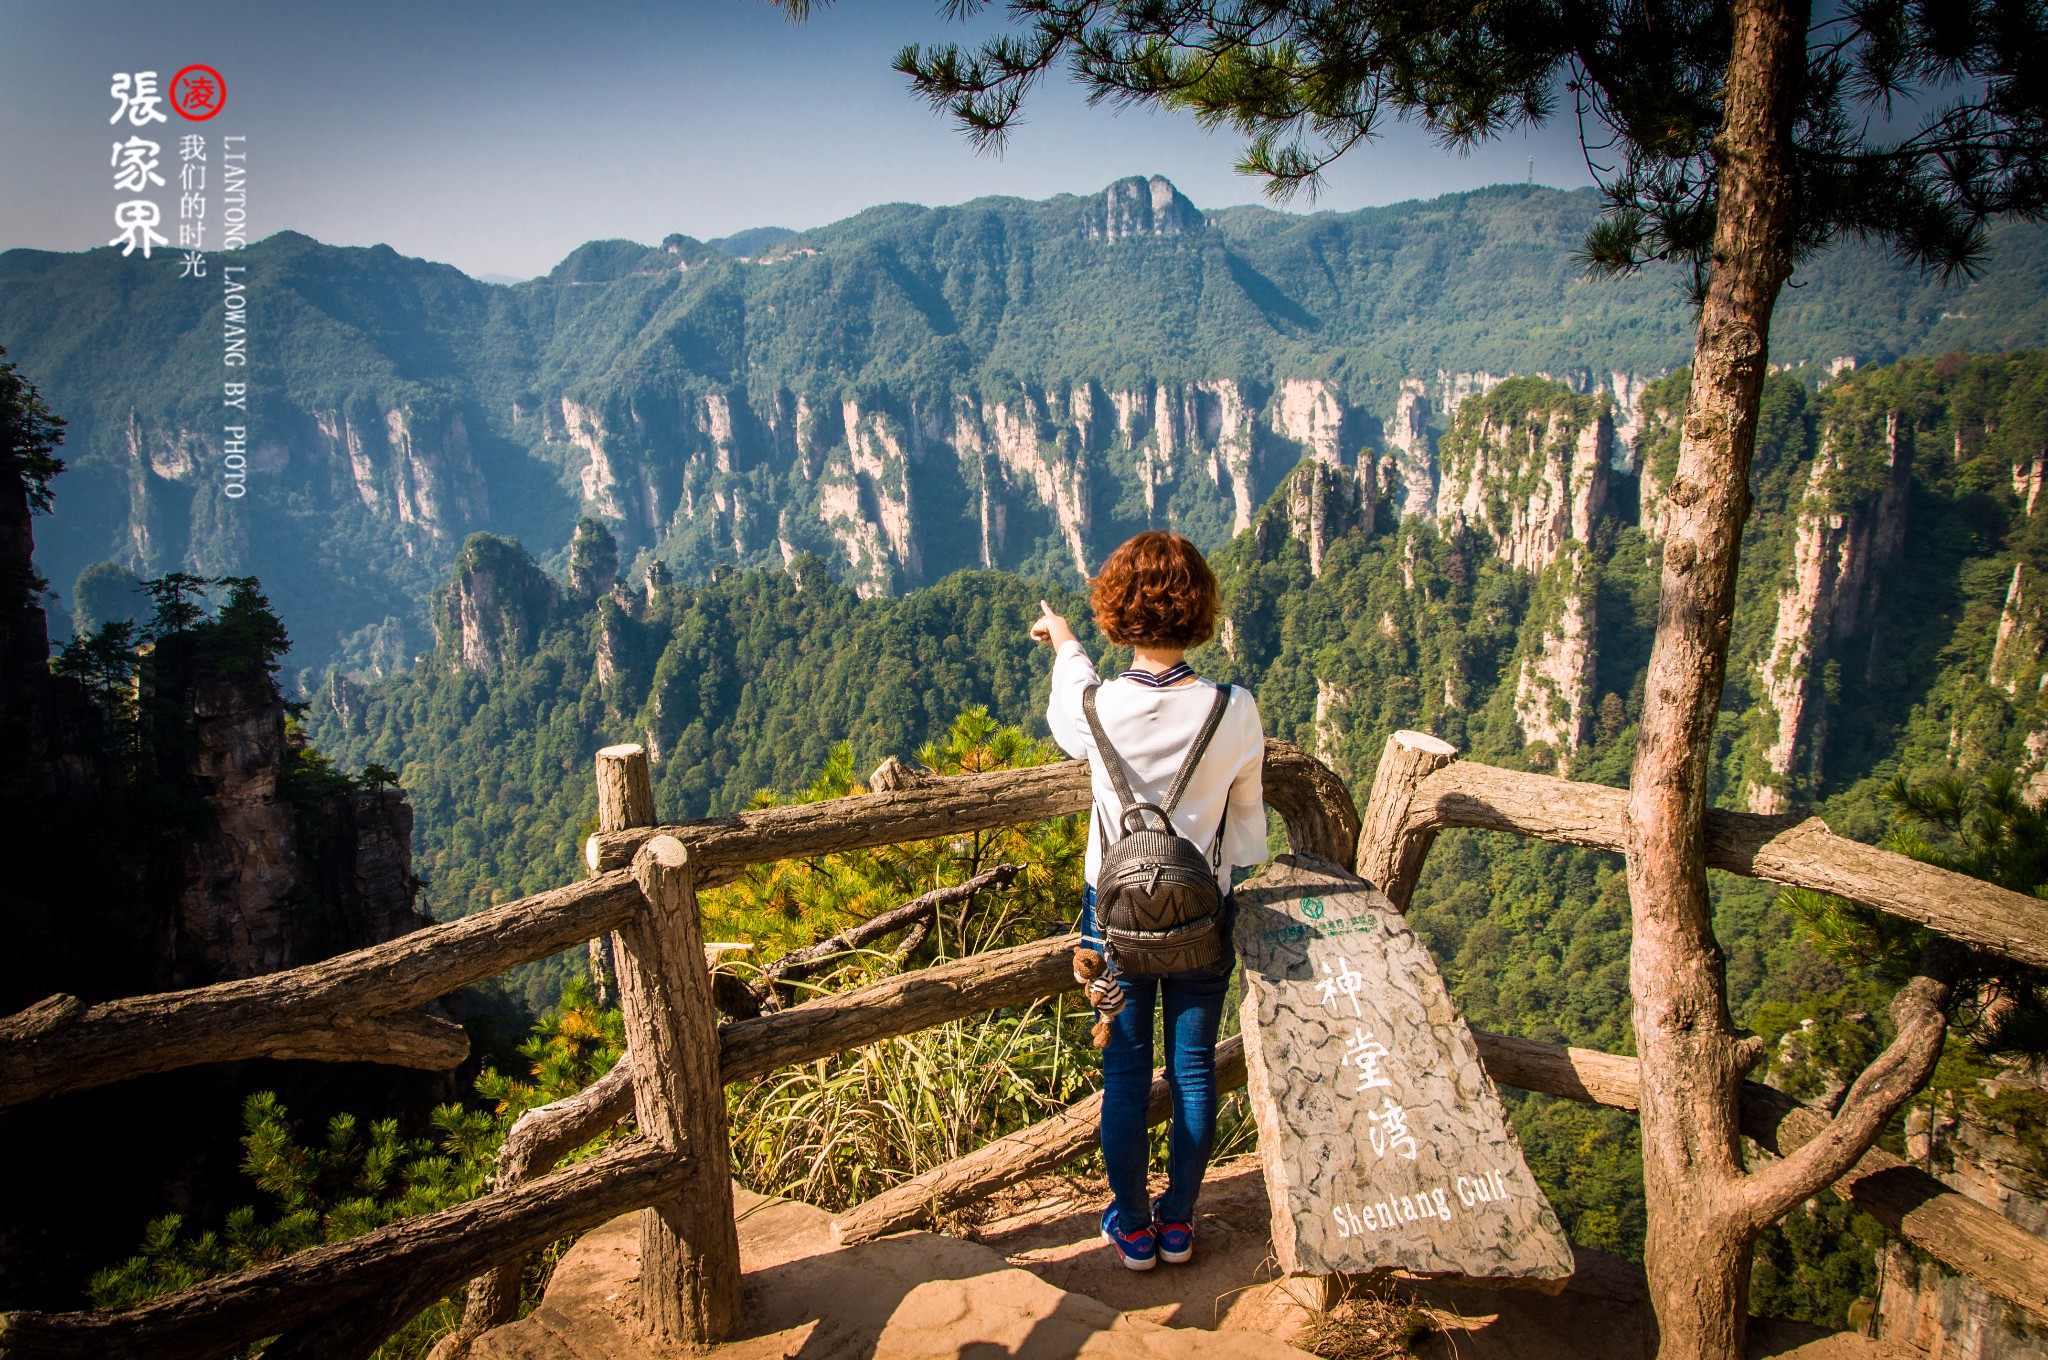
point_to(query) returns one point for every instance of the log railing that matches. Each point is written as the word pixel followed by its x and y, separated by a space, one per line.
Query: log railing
pixel 343 1299
pixel 1421 788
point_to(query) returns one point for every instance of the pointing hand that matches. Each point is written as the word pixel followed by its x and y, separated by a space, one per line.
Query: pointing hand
pixel 1050 627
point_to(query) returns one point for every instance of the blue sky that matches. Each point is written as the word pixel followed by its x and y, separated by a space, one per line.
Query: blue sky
pixel 499 136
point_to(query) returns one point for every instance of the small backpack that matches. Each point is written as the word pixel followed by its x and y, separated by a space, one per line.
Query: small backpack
pixel 1157 901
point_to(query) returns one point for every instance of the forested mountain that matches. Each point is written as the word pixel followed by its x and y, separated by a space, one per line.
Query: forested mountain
pixel 906 393
pixel 1889 625
pixel 1890 614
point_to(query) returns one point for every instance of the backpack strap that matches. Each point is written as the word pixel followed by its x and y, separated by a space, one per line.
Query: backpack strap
pixel 1195 752
pixel 1114 763
pixel 1111 761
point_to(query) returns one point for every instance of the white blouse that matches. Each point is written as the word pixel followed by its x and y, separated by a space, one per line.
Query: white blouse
pixel 1152 730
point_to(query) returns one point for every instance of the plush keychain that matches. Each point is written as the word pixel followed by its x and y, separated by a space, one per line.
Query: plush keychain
pixel 1091 970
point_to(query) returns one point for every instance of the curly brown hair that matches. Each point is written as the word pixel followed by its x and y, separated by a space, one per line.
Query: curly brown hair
pixel 1156 591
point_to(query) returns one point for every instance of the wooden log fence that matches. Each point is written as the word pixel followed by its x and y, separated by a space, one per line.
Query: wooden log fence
pixel 340 1300
pixel 256 1017
pixel 1417 794
pixel 432 1253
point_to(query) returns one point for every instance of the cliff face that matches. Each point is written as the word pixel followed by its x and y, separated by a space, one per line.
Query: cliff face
pixel 1554 675
pixel 195 837
pixel 1142 207
pixel 1315 504
pixel 1521 483
pixel 593 559
pixel 1411 456
pixel 1525 470
pixel 1527 466
pixel 1123 359
pixel 1934 1310
pixel 1849 526
pixel 901 491
pixel 276 880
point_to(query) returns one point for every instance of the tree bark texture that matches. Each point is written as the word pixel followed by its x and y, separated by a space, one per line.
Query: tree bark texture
pixel 434 1252
pixel 1797 852
pixel 1700 1230
pixel 625 798
pixel 689 1244
pixel 1320 816
pixel 355 1332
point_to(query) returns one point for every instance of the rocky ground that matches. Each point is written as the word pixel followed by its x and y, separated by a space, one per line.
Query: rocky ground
pixel 1026 1276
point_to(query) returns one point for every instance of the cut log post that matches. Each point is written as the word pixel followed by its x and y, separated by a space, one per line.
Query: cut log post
pixel 625 799
pixel 625 788
pixel 428 1254
pixel 1389 854
pixel 1006 1161
pixel 689 1244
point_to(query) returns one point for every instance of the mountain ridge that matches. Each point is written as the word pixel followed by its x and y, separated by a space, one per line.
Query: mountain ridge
pixel 931 389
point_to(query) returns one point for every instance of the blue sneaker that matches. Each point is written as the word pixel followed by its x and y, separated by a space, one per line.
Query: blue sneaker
pixel 1176 1240
pixel 1138 1250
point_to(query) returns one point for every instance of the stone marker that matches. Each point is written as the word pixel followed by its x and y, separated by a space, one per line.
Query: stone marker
pixel 1384 1142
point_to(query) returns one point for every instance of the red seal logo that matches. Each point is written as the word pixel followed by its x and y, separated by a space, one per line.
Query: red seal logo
pixel 198 92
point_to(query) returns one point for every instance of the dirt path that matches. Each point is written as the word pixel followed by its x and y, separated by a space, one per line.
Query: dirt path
pixel 1029 1279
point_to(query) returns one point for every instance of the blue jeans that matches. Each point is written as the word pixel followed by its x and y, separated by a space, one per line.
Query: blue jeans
pixel 1194 1011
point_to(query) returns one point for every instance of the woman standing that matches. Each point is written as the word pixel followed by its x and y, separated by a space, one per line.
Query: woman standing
pixel 1165 728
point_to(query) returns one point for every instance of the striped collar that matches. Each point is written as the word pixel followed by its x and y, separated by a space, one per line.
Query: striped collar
pixel 1173 675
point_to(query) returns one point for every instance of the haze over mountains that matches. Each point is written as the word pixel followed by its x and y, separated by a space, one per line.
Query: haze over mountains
pixel 906 393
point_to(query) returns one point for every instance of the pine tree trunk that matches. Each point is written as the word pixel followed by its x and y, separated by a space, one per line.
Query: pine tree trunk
pixel 1700 1236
